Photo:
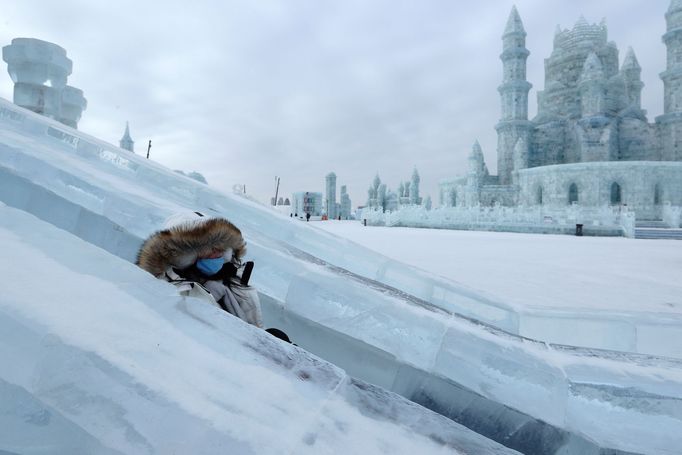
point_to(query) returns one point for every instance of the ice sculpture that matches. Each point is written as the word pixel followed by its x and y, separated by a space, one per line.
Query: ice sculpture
pixel 39 71
pixel 590 131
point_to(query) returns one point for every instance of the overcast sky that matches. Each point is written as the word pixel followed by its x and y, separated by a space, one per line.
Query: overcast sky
pixel 242 91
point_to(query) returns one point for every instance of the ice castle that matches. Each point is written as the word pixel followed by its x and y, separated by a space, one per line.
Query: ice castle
pixel 590 143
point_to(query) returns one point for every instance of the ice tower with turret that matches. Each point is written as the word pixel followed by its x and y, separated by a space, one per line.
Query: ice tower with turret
pixel 590 142
pixel 671 120
pixel 513 124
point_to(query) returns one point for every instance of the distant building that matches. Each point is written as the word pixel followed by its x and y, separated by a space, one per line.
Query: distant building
pixel 330 206
pixel 306 202
pixel 590 143
pixel 413 192
pixel 379 196
pixel 126 142
pixel 345 208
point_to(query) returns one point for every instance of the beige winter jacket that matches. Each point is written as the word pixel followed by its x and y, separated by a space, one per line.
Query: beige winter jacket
pixel 167 253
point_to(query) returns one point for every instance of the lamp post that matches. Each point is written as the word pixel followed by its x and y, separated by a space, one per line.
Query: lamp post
pixel 276 191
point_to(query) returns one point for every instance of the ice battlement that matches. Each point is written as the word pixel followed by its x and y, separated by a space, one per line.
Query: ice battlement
pixel 581 35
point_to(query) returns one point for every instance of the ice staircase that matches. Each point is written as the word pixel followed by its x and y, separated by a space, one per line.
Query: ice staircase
pixel 656 230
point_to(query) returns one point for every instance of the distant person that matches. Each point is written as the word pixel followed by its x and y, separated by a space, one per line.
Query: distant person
pixel 202 256
pixel 307 216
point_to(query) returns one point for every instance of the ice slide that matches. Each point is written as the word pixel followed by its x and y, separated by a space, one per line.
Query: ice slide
pixel 356 308
pixel 98 359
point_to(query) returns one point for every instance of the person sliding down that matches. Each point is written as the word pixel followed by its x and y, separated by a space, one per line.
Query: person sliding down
pixel 201 256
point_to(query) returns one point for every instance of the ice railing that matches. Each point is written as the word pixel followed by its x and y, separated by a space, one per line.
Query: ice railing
pixel 452 217
pixel 130 197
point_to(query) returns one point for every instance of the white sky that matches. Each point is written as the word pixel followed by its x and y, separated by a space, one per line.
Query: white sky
pixel 242 91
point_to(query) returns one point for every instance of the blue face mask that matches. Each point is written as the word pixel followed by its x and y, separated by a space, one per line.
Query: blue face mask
pixel 210 266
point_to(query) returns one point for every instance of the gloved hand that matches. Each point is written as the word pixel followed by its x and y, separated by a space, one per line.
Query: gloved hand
pixel 216 288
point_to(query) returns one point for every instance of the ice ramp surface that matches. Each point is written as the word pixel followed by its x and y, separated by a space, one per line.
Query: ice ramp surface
pixel 117 171
pixel 102 179
pixel 103 360
pixel 530 396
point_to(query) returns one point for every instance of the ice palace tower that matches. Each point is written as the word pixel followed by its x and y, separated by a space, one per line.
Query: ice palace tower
pixel 590 143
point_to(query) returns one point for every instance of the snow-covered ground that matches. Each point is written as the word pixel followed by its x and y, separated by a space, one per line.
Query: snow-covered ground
pixel 611 274
pixel 380 319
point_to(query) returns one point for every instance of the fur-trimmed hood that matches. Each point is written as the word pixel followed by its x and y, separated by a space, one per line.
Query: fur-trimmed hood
pixel 181 245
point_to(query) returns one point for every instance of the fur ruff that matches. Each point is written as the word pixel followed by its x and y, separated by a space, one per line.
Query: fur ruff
pixel 181 245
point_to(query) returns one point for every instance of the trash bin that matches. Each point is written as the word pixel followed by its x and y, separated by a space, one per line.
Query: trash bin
pixel 579 230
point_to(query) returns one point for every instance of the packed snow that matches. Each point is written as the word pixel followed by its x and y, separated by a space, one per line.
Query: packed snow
pixel 428 338
pixel 608 292
pixel 583 273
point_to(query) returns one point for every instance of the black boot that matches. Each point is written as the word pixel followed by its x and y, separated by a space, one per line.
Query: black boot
pixel 277 333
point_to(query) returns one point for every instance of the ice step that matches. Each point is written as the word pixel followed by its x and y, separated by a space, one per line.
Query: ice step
pixel 658 224
pixel 656 233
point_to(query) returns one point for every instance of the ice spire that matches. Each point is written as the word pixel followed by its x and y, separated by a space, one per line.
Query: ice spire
pixel 376 182
pixel 592 69
pixel 414 188
pixel 582 22
pixel 514 24
pixel 592 85
pixel 630 62
pixel 476 150
pixel 513 94
pixel 675 5
pixel 673 20
pixel 476 160
pixel 126 135
pixel 632 76
pixel 126 141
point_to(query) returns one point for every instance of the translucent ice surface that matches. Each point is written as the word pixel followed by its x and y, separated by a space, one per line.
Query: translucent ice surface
pixel 439 344
pixel 99 359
